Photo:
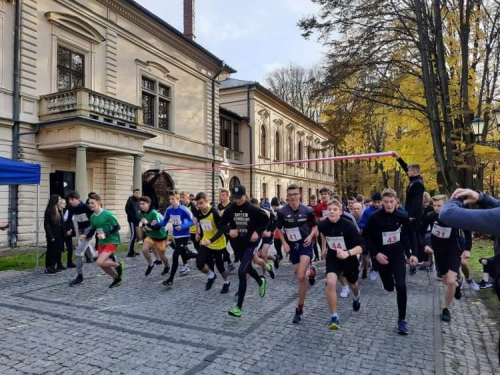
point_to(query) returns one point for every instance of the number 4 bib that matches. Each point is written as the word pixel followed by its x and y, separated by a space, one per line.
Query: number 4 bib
pixel 336 243
pixel 293 234
pixel 441 232
pixel 389 238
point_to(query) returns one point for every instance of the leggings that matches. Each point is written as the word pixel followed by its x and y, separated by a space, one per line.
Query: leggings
pixel 133 237
pixel 394 275
pixel 277 246
pixel 208 256
pixel 196 244
pixel 180 247
pixel 246 256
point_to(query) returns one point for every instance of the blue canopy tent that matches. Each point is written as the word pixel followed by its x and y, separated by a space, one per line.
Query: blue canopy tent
pixel 19 173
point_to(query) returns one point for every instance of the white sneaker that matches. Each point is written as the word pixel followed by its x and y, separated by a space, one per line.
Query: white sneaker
pixel 185 270
pixel 345 292
pixel 473 286
pixel 373 276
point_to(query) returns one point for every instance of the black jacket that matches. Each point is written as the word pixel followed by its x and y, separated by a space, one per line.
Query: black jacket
pixel 54 229
pixel 414 193
pixel 148 190
pixel 132 208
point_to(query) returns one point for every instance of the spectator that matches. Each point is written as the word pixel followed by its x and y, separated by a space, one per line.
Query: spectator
pixel 68 239
pixel 148 188
pixel 368 203
pixel 267 204
pixel 132 209
pixel 426 204
pixel 54 234
pixel 357 211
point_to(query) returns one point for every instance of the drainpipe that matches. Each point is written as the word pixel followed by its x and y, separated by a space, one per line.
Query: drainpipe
pixel 251 140
pixel 16 110
pixel 221 68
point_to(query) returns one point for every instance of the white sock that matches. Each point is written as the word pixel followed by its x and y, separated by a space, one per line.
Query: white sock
pixel 486 276
pixel 226 281
pixel 151 263
pixel 356 298
pixel 211 274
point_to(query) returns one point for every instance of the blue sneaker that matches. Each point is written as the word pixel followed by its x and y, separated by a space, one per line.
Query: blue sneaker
pixel 402 329
pixel 298 316
pixel 334 323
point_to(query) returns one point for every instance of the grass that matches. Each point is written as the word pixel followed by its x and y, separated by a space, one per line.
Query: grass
pixel 484 249
pixel 25 261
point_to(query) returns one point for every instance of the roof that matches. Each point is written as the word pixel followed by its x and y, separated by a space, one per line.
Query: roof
pixel 232 83
pixel 178 33
pixel 232 114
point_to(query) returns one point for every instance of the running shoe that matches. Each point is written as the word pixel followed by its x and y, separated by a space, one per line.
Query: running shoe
pixel 168 283
pixel 276 262
pixel 345 292
pixel 225 288
pixel 373 276
pixel 60 268
pixel 119 269
pixel 77 281
pixel 413 271
pixel 356 304
pixel 262 287
pixel 236 312
pixel 166 269
pixel 312 275
pixel 210 282
pixel 70 265
pixel 458 290
pixel 269 268
pixel 185 270
pixel 334 323
pixel 116 282
pixel 149 269
pixel 473 285
pixel 50 272
pixel 364 274
pixel 231 269
pixel 298 316
pixel 445 315
pixel 402 328
pixel 158 262
pixel 485 284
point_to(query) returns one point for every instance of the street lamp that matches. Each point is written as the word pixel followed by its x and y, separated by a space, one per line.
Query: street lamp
pixel 478 126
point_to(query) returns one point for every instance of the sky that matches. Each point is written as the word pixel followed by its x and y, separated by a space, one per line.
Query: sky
pixel 252 36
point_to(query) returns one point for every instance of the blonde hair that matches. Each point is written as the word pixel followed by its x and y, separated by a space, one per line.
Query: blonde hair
pixel 426 197
pixel 440 197
pixel 391 193
pixel 336 203
pixel 224 191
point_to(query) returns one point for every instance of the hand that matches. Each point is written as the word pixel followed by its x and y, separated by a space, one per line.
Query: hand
pixel 308 240
pixel 101 236
pixel 412 219
pixel 68 233
pixel 465 255
pixel 413 260
pixel 83 237
pixel 395 154
pixel 484 261
pixel 382 259
pixel 255 237
pixel 206 243
pixel 178 228
pixel 323 254
pixel 144 221
pixel 428 250
pixel 286 247
pixel 467 195
pixel 53 240
pixel 154 222
pixel 342 254
pixel 266 234
pixel 233 233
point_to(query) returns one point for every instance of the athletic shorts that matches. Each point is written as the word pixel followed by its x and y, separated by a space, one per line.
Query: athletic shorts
pixel 159 244
pixel 347 267
pixel 106 248
pixel 267 240
pixel 448 260
pixel 297 249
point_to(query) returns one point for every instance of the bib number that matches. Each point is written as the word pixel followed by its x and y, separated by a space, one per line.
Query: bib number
pixel 389 238
pixel 336 243
pixel 81 218
pixel 324 213
pixel 206 226
pixel 293 234
pixel 176 219
pixel 441 232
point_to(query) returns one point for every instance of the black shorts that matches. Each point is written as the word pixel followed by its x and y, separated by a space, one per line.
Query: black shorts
pixel 268 240
pixel 448 260
pixel 347 267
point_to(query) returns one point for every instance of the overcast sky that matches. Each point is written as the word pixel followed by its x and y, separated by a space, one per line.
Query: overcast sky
pixel 251 36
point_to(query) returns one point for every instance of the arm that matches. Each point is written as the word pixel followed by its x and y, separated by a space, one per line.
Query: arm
pixel 187 218
pixel 359 245
pixel 224 222
pixel 486 201
pixel 485 220
pixel 115 227
pixel 364 219
pixel 323 245
pixel 128 208
pixel 262 220
pixel 217 219
pixel 47 226
pixel 402 163
pixel 412 237
pixel 153 180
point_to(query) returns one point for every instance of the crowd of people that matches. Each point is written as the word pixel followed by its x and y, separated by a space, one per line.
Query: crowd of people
pixel 353 237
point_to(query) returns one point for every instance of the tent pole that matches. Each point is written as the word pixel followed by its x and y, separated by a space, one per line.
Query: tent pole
pixel 37 215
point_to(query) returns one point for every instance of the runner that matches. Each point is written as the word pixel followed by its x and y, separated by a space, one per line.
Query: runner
pixel 186 201
pixel 262 255
pixel 155 240
pixel 212 244
pixel 489 272
pixel 245 224
pixel 447 250
pixel 313 202
pixel 104 223
pixel 275 205
pixel 182 220
pixel 383 240
pixel 132 210
pixel 376 204
pixel 81 213
pixel 223 203
pixel 340 243
pixel 300 226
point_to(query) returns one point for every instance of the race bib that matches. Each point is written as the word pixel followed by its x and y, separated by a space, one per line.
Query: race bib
pixel 389 238
pixel 441 232
pixel 176 219
pixel 293 234
pixel 99 231
pixel 81 218
pixel 206 226
pixel 324 213
pixel 336 243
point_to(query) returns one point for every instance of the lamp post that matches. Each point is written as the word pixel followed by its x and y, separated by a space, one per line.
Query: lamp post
pixel 478 127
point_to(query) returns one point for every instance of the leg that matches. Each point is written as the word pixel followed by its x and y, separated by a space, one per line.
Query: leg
pixel 106 264
pixel 301 272
pixel 218 257
pixel 277 246
pixel 450 280
pixel 398 269
pixel 133 237
pixel 146 247
pixel 202 261
pixel 178 250
pixel 69 246
pixel 244 269
pixel 49 255
pixel 331 291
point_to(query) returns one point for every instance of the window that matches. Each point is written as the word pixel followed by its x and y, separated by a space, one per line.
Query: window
pixel 221 181
pixel 325 163
pixel 236 136
pixel 233 182
pixel 290 148
pixel 318 167
pixel 309 156
pixel 278 191
pixel 70 69
pixel 225 132
pixel 264 191
pixel 277 148
pixel 300 190
pixel 263 151
pixel 156 102
pixel 300 155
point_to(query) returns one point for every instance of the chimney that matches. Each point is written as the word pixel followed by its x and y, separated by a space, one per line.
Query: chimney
pixel 189 19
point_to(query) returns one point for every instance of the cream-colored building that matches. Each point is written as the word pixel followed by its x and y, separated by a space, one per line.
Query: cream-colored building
pixel 277 133
pixel 107 92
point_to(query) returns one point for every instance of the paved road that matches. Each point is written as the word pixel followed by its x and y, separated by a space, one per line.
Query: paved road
pixel 142 328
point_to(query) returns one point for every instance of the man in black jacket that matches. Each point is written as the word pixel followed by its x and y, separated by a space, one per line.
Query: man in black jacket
pixel 148 188
pixel 413 204
pixel 132 208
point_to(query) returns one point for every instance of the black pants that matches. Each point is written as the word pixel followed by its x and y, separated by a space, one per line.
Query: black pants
pixel 180 248
pixel 226 257
pixel 316 249
pixel 68 241
pixel 133 237
pixel 53 254
pixel 209 257
pixel 278 246
pixel 196 244
pixel 394 275
pixel 246 256
pixel 420 252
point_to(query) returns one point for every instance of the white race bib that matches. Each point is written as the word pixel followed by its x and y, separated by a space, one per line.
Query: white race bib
pixel 206 226
pixel 389 238
pixel 324 213
pixel 81 218
pixel 99 231
pixel 336 243
pixel 176 219
pixel 441 232
pixel 293 234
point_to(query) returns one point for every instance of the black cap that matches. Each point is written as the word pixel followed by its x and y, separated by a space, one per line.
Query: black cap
pixel 238 191
pixel 376 196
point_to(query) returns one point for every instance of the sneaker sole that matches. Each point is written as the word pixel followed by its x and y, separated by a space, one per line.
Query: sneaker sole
pixel 233 314
pixel 296 321
pixel 334 326
pixel 73 285
pixel 114 286
pixel 402 333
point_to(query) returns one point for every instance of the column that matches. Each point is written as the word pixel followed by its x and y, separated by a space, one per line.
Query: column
pixel 81 172
pixel 137 178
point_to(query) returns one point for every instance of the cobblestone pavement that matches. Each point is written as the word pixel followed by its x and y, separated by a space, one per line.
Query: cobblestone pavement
pixel 141 327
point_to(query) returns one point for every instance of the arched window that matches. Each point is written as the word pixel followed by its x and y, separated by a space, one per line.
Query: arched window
pixel 318 167
pixel 233 182
pixel 309 156
pixel 221 181
pixel 263 141
pixel 300 155
pixel 325 163
pixel 164 187
pixel 277 148
pixel 290 148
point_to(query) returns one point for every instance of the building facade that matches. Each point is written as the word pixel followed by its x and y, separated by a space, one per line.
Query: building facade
pixel 277 133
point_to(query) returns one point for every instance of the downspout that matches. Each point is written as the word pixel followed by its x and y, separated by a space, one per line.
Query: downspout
pixel 16 110
pixel 251 139
pixel 221 68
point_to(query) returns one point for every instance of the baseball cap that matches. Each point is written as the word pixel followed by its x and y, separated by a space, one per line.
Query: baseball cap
pixel 238 191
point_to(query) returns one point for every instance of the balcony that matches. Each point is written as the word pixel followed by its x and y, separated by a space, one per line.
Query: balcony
pixel 229 156
pixel 88 103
